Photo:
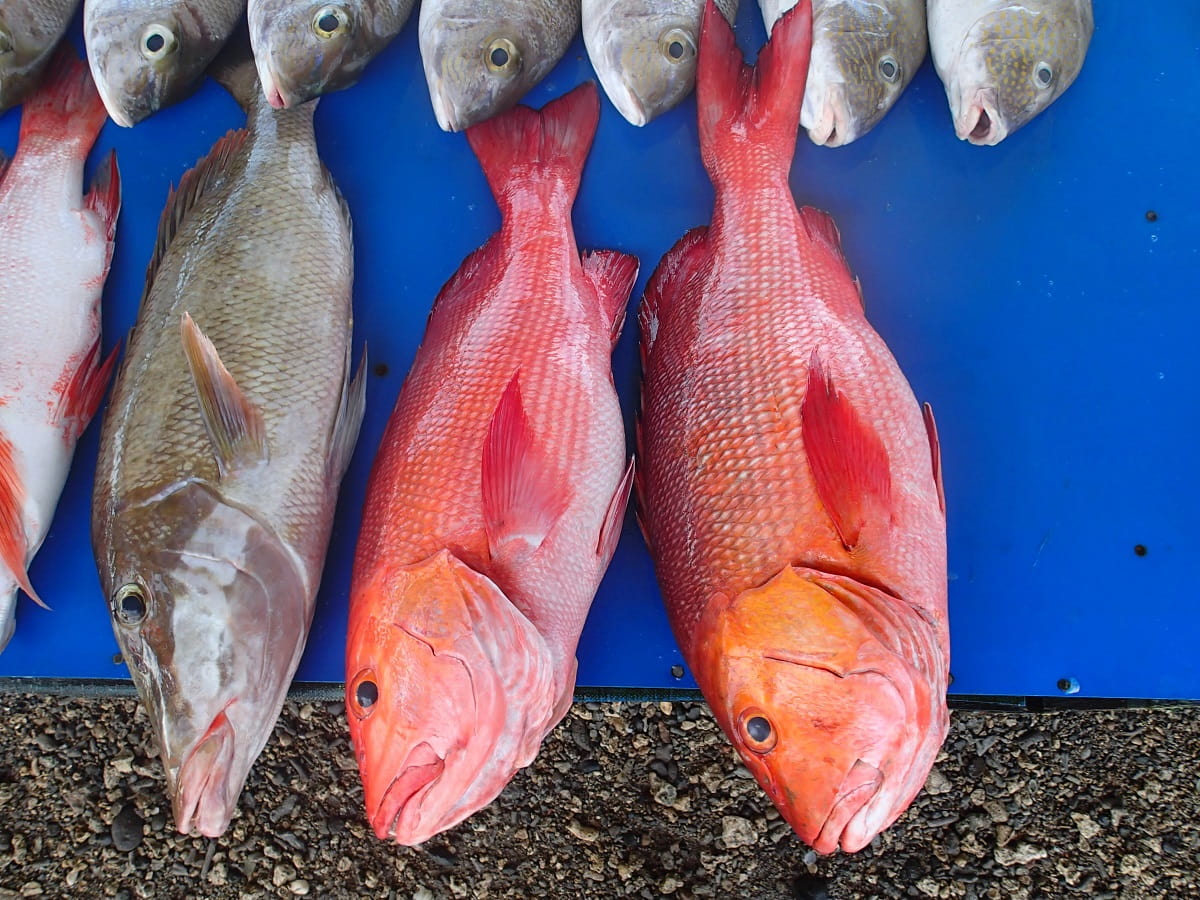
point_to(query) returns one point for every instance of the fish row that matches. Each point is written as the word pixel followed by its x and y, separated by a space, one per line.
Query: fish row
pixel 1001 63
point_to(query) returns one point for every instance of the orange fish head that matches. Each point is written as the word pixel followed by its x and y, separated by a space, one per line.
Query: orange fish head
pixel 450 690
pixel 839 728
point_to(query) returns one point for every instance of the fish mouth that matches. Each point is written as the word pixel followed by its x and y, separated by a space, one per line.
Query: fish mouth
pixel 397 815
pixel 848 823
pixel 833 127
pixel 115 111
pixel 628 103
pixel 202 801
pixel 270 85
pixel 980 122
pixel 445 110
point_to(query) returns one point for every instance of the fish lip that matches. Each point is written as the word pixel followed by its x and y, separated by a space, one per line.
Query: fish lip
pixel 980 121
pixel 444 109
pixel 833 127
pixel 396 817
pixel 628 103
pixel 201 800
pixel 271 88
pixel 860 786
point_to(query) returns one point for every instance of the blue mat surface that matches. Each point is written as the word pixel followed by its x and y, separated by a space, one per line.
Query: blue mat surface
pixel 1042 295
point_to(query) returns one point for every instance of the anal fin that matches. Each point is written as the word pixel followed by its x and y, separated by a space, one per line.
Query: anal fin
pixel 13 546
pixel 612 274
pixel 935 452
pixel 104 199
pixel 349 418
pixel 86 389
pixel 669 282
pixel 614 516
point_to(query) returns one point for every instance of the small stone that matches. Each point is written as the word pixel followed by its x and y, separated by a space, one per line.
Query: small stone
pixel 585 833
pixel 1088 827
pixel 127 829
pixel 31 889
pixel 282 875
pixel 662 792
pixel 670 885
pixel 299 887
pixel 937 783
pixel 737 832
pixel 928 886
pixel 1020 854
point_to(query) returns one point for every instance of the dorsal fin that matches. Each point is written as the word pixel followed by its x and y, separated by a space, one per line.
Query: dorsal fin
pixel 612 274
pixel 667 284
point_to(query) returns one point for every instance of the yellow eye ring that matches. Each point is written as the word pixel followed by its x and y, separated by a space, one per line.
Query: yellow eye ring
pixel 158 42
pixel 330 21
pixel 364 696
pixel 756 730
pixel 502 56
pixel 677 45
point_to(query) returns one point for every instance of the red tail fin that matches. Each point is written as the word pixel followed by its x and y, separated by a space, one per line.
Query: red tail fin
pixel 552 143
pixel 66 107
pixel 760 104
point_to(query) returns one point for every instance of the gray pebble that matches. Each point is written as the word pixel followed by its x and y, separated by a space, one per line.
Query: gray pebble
pixel 127 829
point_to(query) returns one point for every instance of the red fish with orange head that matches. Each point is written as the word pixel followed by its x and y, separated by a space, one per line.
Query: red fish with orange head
pixel 789 483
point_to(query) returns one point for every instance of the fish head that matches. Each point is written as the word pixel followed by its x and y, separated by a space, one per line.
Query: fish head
pixel 149 57
pixel 863 57
pixel 211 612
pixel 22 47
pixel 838 728
pixel 1013 63
pixel 449 691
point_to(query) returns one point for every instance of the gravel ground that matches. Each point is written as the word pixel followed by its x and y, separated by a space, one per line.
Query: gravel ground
pixel 626 799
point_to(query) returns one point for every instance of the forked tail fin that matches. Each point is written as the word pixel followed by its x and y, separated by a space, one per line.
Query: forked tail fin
pixel 524 146
pixel 749 115
pixel 67 107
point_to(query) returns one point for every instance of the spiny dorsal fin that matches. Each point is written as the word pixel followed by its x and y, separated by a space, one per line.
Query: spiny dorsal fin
pixel 234 424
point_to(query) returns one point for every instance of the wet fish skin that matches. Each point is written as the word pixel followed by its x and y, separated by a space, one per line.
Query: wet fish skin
pixel 644 51
pixel 230 426
pixel 29 32
pixel 482 56
pixel 788 482
pixel 864 54
pixel 149 54
pixel 307 49
pixel 1002 63
pixel 56 245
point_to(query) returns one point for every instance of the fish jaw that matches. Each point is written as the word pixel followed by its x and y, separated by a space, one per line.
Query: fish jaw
pixel 202 798
pixel 979 119
pixel 398 816
pixel 828 120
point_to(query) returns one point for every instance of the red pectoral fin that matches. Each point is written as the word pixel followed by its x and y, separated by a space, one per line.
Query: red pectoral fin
pixel 614 516
pixel 847 458
pixel 13 545
pixel 935 451
pixel 83 395
pixel 523 495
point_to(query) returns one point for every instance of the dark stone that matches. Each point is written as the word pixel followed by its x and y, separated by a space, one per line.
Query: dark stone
pixel 127 829
pixel 810 887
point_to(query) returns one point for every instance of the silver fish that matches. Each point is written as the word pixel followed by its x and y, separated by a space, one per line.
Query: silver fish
pixel 231 424
pixel 644 51
pixel 304 49
pixel 1002 62
pixel 147 54
pixel 482 56
pixel 864 54
pixel 29 31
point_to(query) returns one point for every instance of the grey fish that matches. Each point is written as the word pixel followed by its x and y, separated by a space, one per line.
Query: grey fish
pixel 304 49
pixel 864 54
pixel 29 31
pixel 1002 62
pixel 231 424
pixel 644 51
pixel 148 54
pixel 482 56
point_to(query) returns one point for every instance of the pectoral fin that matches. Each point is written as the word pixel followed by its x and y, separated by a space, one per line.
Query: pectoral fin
pixel 349 418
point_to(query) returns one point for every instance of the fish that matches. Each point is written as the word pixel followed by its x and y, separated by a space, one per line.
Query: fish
pixel 644 51
pixel 29 32
pixel 864 54
pixel 496 500
pixel 56 246
pixel 788 484
pixel 481 58
pixel 232 420
pixel 304 50
pixel 1003 63
pixel 149 54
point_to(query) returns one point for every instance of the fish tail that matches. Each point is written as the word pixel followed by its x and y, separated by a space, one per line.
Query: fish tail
pixel 67 106
pixel 758 105
pixel 524 146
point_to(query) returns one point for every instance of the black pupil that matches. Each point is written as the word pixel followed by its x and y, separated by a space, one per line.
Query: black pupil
pixel 759 729
pixel 675 49
pixel 499 57
pixel 133 607
pixel 366 694
pixel 328 22
pixel 155 42
pixel 889 69
pixel 1044 75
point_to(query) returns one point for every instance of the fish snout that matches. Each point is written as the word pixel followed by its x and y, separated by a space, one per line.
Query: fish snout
pixel 853 820
pixel 398 815
pixel 204 800
pixel 828 121
pixel 979 120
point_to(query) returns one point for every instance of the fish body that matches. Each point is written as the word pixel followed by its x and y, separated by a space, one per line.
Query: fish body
pixel 1002 62
pixel 230 426
pixel 55 248
pixel 495 503
pixel 149 54
pixel 304 49
pixel 29 32
pixel 788 487
pixel 481 58
pixel 644 51
pixel 864 54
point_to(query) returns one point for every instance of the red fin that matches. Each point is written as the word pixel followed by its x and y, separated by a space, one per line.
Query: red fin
pixel 83 395
pixel 614 516
pixel 669 282
pixel 522 496
pixel 935 452
pixel 612 274
pixel 821 228
pixel 848 460
pixel 104 199
pixel 12 521
pixel 3 165
pixel 523 144
pixel 739 104
pixel 66 107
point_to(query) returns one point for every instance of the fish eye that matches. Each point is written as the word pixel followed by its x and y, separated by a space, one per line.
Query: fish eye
pixel 129 604
pixel 502 56
pixel 677 45
pixel 1043 75
pixel 366 694
pixel 889 69
pixel 158 42
pixel 757 731
pixel 5 41
pixel 330 21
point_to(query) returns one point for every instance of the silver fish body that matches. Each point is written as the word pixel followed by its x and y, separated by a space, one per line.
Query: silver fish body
pixel 149 54
pixel 644 51
pixel 482 56
pixel 1002 63
pixel 304 49
pixel 231 422
pixel 29 31
pixel 864 54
